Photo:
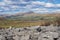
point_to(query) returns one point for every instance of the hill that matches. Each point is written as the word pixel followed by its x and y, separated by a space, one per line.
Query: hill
pixel 29 19
pixel 31 16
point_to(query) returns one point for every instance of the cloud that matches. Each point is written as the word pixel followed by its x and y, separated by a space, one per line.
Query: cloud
pixel 38 3
pixel 15 2
pixel 1 10
pixel 27 5
pixel 57 5
pixel 58 10
pixel 49 5
pixel 2 3
pixel 42 10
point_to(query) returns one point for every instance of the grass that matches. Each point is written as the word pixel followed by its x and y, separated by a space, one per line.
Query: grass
pixel 7 24
pixel 42 21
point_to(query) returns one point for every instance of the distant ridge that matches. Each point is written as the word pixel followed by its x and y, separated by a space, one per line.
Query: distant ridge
pixel 28 16
pixel 25 13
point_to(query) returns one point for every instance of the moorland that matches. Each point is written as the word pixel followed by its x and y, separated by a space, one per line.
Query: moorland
pixel 29 19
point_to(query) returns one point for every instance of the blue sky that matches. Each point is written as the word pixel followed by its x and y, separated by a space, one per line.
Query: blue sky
pixel 38 6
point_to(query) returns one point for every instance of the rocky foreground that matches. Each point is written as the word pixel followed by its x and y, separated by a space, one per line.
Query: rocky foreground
pixel 31 33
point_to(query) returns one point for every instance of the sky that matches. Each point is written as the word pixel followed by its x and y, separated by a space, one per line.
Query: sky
pixel 38 6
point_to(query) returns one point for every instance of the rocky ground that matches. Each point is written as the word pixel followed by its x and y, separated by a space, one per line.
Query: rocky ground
pixel 31 33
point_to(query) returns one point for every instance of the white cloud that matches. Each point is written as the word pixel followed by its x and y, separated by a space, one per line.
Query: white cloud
pixel 57 5
pixel 49 5
pixel 42 10
pixel 44 4
pixel 2 3
pixel 29 5
pixel 58 10
pixel 1 10
pixel 5 8
pixel 14 7
pixel 38 3
pixel 15 2
pixel 8 2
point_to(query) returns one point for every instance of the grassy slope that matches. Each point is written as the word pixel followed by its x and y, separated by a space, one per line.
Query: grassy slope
pixel 23 21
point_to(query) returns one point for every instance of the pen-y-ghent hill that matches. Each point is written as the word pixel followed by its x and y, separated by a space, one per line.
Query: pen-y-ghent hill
pixel 29 19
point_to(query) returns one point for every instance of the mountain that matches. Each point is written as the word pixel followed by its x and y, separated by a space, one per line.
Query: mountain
pixel 29 16
pixel 22 16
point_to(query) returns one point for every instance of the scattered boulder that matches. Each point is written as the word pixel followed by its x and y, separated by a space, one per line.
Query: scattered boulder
pixel 31 33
